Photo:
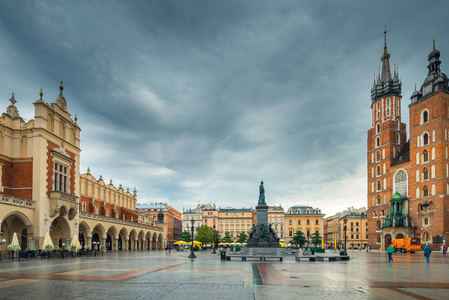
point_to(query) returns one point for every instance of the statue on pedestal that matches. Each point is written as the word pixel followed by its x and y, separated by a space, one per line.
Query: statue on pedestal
pixel 261 194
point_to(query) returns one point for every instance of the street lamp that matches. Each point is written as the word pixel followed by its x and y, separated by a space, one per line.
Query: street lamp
pixel 62 251
pixel 308 236
pixel 345 221
pixel 2 240
pixel 213 251
pixel 192 254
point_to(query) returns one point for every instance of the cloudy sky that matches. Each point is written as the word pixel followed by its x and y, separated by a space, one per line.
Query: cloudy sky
pixel 198 101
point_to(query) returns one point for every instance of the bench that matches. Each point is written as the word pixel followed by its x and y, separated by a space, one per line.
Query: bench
pixel 259 257
pixel 310 258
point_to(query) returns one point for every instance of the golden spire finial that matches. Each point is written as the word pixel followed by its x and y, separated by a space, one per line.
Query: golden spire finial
pixel 41 94
pixel 61 87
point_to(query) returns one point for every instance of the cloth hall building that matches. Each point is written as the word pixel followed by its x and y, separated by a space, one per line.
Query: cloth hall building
pixel 408 179
pixel 42 190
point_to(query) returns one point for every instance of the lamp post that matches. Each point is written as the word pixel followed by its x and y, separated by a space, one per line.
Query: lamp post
pixel 62 250
pixel 213 251
pixel 345 221
pixel 192 254
pixel 308 237
pixel 2 240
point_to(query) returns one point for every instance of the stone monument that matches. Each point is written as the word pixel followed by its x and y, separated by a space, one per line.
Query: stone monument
pixel 262 235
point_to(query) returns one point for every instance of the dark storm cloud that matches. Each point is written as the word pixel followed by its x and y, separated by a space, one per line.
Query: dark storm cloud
pixel 197 101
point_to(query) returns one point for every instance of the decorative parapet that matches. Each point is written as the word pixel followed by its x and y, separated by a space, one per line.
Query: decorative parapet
pixel 17 201
pixel 117 221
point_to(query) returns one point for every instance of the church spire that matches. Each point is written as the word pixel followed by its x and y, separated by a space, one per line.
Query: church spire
pixel 386 75
pixel 386 84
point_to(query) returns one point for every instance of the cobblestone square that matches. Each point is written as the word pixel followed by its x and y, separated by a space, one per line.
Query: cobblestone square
pixel 156 275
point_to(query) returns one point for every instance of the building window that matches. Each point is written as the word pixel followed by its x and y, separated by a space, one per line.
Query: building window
pixel 317 222
pixel 425 156
pixel 379 185
pixel 379 200
pixel 378 128
pixel 388 101
pixel 425 116
pixel 425 174
pixel 425 139
pixel 377 142
pixel 290 222
pixel 388 112
pixel 107 212
pixel 377 156
pixel 398 139
pixel 308 222
pixel 299 222
pixel 378 171
pixel 425 191
pixel 205 220
pixel 426 221
pixel 83 206
pixel 96 210
pixel 61 178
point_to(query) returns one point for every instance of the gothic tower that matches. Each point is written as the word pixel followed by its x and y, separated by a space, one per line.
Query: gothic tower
pixel 386 138
pixel 429 163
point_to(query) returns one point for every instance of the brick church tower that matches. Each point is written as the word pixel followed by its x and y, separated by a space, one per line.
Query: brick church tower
pixel 385 139
pixel 429 163
pixel 408 182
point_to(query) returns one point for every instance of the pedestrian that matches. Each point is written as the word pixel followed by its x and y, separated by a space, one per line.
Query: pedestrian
pixel 427 251
pixel 444 249
pixel 169 248
pixel 166 249
pixel 390 251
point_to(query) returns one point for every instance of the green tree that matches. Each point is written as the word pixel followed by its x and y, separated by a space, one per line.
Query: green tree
pixel 205 234
pixel 186 236
pixel 242 237
pixel 315 239
pixel 299 238
pixel 227 238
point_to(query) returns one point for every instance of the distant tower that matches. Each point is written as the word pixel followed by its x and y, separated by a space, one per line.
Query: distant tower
pixel 386 138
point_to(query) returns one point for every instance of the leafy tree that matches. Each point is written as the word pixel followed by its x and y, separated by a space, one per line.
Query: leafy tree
pixel 315 239
pixel 242 237
pixel 205 234
pixel 227 238
pixel 186 236
pixel 299 238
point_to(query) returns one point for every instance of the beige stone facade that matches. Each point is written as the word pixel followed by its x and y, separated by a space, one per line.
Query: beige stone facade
pixel 41 190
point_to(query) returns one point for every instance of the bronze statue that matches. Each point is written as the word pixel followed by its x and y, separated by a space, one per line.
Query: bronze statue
pixel 261 193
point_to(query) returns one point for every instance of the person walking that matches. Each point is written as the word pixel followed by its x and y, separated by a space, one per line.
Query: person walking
pixel 390 251
pixel 427 251
pixel 444 249
pixel 169 248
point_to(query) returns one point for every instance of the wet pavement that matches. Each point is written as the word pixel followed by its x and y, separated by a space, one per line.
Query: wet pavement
pixel 156 275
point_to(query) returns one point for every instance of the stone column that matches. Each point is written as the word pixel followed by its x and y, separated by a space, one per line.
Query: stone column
pixel 135 245
pixel 150 245
pixel 115 248
pixel 144 245
pixel 125 244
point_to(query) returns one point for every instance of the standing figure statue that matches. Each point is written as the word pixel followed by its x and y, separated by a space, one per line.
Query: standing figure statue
pixel 261 193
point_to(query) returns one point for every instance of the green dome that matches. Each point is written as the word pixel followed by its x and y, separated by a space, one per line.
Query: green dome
pixel 396 197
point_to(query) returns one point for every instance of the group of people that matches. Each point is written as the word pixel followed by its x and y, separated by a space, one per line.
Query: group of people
pixel 427 251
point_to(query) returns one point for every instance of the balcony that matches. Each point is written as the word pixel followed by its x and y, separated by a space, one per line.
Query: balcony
pixel 62 203
pixel 6 199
